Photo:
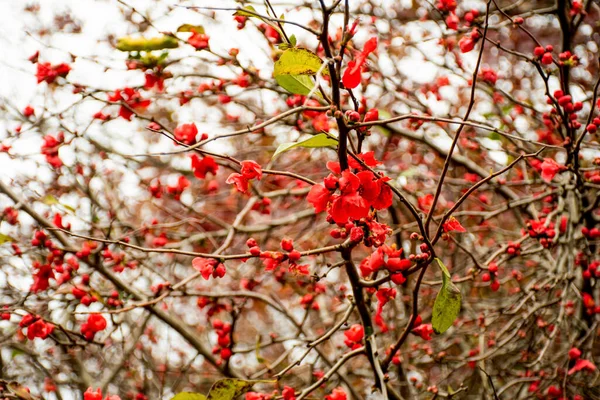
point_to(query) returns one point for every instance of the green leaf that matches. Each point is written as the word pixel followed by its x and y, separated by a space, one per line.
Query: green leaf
pixel 320 140
pixel 243 13
pixel 50 200
pixel 5 238
pixel 293 69
pixel 447 302
pixel 191 28
pixel 494 136
pixel 293 40
pixel 143 44
pixel 189 396
pixel 229 389
pixel 297 84
pixel 295 61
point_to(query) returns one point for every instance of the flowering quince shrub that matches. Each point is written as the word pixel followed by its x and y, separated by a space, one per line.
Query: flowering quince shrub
pixel 303 200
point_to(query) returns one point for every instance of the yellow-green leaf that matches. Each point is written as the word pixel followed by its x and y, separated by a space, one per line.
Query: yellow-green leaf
pixel 143 44
pixel 229 389
pixel 244 13
pixel 5 238
pixel 189 396
pixel 447 302
pixel 320 140
pixel 295 61
pixel 293 69
pixel 297 84
pixel 191 28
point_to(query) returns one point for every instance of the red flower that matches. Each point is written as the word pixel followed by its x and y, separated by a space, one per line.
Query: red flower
pixel 95 323
pixel 251 170
pixel 28 112
pixel 41 276
pixel 204 166
pixel 241 183
pixel 208 267
pixel 354 336
pixel 452 224
pixel 550 168
pixel 154 80
pixel 133 100
pixel 92 394
pixel 47 72
pixel 40 329
pixel 336 394
pixel 319 196
pixel 50 149
pixel 199 40
pixel 466 44
pixel 288 393
pixel 176 191
pixel 186 133
pixel 580 365
pixel 424 331
pixel 351 78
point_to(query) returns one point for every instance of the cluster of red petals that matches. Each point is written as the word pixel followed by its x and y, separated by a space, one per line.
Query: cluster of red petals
pixel 389 258
pixel 208 267
pixel 351 77
pixel 91 394
pixel 250 170
pixel 550 168
pixel 423 330
pixel 95 323
pixel 41 276
pixel 50 149
pixel 176 190
pixel 384 295
pixel 288 393
pixel 133 101
pixel 452 224
pixel 354 336
pixel 203 166
pixel 199 40
pixel 357 192
pixel 36 327
pixel 337 394
pixel 47 72
pixel 186 133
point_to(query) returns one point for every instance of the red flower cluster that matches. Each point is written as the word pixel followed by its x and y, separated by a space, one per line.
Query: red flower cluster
pixel 467 43
pixel 182 184
pixel 199 40
pixel 50 149
pixel 384 295
pixel 357 192
pixel 95 323
pixel 36 327
pixel 452 224
pixel 423 330
pixel 97 395
pixel 41 277
pixel 186 133
pixel 47 72
pixel 354 336
pixel 337 394
pixel 133 101
pixel 208 267
pixel 203 166
pixel 288 393
pixel 250 170
pixel 351 77
pixel 389 258
pixel 223 330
